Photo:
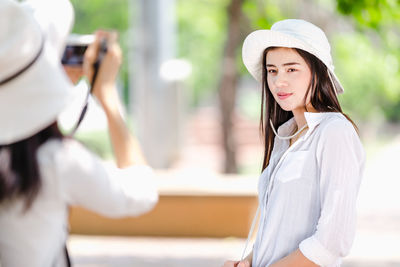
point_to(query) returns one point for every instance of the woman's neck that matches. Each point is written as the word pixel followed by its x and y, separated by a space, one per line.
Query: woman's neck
pixel 299 116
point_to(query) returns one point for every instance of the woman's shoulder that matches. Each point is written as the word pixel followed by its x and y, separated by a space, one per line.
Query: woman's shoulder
pixel 338 140
pixel 55 144
pixel 336 131
pixel 337 124
pixel 55 149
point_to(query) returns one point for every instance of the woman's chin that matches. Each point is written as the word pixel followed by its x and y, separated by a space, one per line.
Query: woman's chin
pixel 286 107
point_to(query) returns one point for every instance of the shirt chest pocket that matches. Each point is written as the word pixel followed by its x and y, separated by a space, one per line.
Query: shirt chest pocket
pixel 293 166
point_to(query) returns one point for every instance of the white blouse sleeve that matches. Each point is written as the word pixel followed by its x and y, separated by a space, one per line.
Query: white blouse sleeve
pixel 84 180
pixel 341 158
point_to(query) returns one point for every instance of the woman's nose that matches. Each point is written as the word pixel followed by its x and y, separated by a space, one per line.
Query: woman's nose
pixel 280 80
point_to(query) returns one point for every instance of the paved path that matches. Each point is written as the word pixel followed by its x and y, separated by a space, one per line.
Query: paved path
pixel 370 250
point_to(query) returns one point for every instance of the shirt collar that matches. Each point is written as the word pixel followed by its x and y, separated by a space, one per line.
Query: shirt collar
pixel 287 127
pixel 313 119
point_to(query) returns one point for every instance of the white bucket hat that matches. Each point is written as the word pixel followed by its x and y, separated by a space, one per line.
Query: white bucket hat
pixel 291 33
pixel 34 88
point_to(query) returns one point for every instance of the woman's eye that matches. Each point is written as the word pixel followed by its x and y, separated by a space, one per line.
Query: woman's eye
pixel 291 70
pixel 271 71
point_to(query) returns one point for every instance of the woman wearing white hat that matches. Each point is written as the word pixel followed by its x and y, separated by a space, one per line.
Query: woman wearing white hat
pixel 313 162
pixel 42 172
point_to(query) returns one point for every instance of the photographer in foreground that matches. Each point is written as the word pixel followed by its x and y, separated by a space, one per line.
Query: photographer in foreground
pixel 41 171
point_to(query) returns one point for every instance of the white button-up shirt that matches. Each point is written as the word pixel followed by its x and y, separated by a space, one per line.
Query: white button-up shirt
pixel 307 194
pixel 70 175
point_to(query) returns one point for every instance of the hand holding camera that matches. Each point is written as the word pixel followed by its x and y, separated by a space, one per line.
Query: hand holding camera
pixel 98 57
pixel 105 55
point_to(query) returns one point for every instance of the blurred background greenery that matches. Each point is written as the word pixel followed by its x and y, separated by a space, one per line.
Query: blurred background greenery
pixel 364 34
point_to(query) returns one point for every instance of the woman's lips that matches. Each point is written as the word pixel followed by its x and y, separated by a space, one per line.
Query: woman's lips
pixel 283 96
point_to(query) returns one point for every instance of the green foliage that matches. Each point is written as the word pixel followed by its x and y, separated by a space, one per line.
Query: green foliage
pixel 201 33
pixel 100 14
pixel 371 13
pixel 370 77
pixel 262 14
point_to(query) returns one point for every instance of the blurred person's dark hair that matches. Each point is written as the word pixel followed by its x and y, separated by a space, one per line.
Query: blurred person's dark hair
pixel 19 173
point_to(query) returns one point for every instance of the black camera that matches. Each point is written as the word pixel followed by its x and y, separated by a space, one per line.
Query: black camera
pixel 75 49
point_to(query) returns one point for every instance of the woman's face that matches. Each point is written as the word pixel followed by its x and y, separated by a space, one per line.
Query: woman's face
pixel 288 78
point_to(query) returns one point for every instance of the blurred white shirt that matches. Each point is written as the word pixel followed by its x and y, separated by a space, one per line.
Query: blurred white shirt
pixel 71 175
pixel 307 194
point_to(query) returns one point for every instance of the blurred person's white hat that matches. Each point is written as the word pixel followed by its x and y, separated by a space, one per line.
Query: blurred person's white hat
pixel 34 88
pixel 291 33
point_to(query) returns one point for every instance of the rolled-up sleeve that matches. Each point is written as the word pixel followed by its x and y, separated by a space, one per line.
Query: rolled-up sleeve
pixel 341 158
pixel 86 181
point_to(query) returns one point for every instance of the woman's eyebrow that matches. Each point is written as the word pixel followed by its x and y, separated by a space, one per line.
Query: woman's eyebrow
pixel 285 64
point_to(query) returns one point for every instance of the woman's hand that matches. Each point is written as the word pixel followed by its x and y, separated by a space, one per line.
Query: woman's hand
pixel 104 85
pixel 294 259
pixel 243 263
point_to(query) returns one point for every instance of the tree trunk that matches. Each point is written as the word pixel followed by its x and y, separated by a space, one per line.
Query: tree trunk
pixel 228 83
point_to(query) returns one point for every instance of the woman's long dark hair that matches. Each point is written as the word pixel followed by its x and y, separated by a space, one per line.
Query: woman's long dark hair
pixel 323 99
pixel 19 170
